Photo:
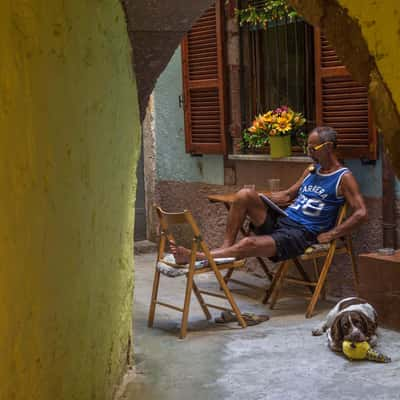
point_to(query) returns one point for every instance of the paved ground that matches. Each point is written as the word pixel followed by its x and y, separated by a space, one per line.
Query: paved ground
pixel 278 359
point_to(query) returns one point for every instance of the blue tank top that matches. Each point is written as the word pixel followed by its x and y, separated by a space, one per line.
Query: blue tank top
pixel 317 205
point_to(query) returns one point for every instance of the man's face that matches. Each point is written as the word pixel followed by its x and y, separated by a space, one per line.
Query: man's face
pixel 315 148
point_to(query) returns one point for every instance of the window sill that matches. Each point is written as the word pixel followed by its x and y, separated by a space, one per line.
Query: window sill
pixel 267 157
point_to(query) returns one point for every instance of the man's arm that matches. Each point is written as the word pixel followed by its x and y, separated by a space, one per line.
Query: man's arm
pixel 350 190
pixel 284 197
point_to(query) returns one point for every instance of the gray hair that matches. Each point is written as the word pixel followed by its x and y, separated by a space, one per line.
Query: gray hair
pixel 326 134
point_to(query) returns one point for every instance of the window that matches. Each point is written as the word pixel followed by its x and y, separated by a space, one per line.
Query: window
pixel 277 69
pixel 289 63
pixel 293 63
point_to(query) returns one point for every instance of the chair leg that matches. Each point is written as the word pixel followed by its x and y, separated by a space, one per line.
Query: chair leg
pixel 186 306
pixel 189 287
pixel 228 295
pixel 353 263
pixel 228 275
pixel 201 301
pixel 316 273
pixel 153 302
pixel 265 268
pixel 279 283
pixel 223 285
pixel 303 273
pixel 231 300
pixel 321 282
pixel 271 287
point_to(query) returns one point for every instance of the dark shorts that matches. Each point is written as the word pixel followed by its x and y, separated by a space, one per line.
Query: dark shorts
pixel 291 238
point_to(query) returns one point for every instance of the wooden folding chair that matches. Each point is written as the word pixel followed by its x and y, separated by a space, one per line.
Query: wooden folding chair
pixel 185 217
pixel 325 252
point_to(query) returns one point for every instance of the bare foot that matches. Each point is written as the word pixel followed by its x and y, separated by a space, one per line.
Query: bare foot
pixel 181 254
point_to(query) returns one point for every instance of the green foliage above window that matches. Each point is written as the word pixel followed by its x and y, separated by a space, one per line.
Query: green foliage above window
pixel 258 13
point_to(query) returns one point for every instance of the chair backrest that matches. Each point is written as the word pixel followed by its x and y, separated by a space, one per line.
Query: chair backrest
pixel 177 218
pixel 168 219
pixel 341 214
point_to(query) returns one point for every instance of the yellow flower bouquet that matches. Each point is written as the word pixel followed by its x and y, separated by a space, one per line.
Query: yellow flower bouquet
pixel 282 121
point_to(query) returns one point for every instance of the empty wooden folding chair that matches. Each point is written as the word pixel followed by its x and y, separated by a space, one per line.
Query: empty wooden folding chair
pixel 190 271
pixel 324 252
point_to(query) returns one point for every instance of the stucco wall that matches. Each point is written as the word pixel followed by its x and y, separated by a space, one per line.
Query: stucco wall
pixel 69 139
pixel 379 23
pixel 172 162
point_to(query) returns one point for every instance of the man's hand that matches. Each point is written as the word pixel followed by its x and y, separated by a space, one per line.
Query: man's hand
pixel 285 197
pixel 326 237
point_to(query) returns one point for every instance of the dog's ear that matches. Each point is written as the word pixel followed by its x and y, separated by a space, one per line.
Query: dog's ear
pixel 369 326
pixel 337 330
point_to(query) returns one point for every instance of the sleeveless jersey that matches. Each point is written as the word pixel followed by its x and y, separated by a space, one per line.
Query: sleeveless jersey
pixel 317 205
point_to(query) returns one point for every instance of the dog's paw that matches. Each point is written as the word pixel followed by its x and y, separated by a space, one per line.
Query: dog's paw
pixel 317 332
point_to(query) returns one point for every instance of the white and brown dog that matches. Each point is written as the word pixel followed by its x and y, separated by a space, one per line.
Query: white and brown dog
pixel 351 319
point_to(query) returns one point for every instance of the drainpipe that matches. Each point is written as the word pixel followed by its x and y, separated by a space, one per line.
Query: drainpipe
pixel 233 67
pixel 388 202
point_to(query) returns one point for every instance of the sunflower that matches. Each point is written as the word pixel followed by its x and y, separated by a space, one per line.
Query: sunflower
pixel 283 125
pixel 288 114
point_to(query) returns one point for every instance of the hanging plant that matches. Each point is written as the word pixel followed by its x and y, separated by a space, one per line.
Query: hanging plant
pixel 259 13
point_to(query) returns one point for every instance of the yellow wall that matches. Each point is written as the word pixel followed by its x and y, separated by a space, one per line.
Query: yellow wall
pixel 69 140
pixel 379 22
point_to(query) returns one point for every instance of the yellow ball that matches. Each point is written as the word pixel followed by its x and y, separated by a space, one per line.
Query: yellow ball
pixel 355 351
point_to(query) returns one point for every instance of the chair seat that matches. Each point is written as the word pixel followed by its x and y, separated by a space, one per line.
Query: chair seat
pixel 321 250
pixel 171 271
pixel 234 264
pixel 168 267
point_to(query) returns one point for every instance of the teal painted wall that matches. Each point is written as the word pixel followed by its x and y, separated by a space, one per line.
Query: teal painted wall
pixel 369 177
pixel 172 162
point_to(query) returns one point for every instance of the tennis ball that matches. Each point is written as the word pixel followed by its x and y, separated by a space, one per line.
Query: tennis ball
pixel 355 351
pixel 363 351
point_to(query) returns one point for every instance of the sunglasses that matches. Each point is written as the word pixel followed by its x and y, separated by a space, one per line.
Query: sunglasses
pixel 317 147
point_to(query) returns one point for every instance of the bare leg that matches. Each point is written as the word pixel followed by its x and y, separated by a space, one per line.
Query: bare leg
pixel 246 203
pixel 251 246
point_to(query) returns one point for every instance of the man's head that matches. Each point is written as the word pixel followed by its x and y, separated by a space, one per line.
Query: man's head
pixel 321 143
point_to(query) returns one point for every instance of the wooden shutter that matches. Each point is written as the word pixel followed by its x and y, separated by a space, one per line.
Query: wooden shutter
pixel 203 84
pixel 342 103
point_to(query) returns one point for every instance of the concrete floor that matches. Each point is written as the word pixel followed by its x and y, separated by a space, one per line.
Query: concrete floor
pixel 278 359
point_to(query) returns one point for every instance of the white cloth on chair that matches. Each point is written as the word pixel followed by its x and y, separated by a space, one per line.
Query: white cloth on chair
pixel 179 270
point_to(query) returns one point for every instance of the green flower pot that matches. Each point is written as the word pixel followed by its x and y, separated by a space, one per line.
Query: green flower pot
pixel 280 146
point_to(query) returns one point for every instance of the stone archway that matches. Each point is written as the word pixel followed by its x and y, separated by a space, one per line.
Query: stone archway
pixel 156 28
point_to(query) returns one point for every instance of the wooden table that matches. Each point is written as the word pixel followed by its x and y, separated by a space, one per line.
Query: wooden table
pixel 227 200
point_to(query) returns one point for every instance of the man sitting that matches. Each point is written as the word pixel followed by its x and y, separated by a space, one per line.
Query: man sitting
pixel 315 200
